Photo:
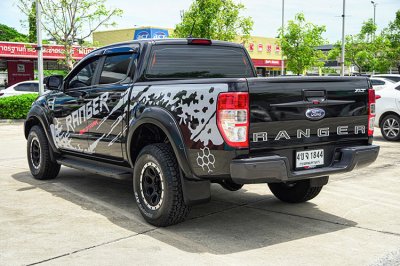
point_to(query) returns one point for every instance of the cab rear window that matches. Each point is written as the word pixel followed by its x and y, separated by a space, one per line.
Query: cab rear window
pixel 197 61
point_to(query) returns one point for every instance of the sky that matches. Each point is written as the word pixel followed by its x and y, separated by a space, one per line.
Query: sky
pixel 266 14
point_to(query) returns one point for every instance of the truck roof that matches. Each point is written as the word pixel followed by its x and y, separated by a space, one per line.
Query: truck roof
pixel 164 41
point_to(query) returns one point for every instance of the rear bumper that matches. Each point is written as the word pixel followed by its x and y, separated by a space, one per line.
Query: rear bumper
pixel 275 168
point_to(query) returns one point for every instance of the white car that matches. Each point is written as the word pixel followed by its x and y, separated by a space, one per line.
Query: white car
pixel 24 87
pixel 393 77
pixel 380 83
pixel 388 111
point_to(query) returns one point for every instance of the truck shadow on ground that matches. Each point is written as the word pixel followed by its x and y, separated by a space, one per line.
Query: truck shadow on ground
pixel 232 222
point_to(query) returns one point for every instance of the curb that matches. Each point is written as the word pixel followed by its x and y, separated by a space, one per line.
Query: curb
pixel 11 121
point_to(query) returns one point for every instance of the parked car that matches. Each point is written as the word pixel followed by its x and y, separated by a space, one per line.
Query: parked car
pixel 380 83
pixel 388 111
pixel 24 87
pixel 393 77
pixel 178 114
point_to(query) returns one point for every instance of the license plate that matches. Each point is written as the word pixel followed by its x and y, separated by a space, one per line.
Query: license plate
pixel 309 159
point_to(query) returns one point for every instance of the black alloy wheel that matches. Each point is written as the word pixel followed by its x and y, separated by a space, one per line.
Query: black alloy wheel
pixel 151 185
pixel 157 186
pixel 35 153
pixel 40 161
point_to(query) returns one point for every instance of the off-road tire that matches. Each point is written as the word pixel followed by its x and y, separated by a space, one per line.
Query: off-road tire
pixel 385 127
pixel 297 192
pixel 41 168
pixel 230 185
pixel 159 160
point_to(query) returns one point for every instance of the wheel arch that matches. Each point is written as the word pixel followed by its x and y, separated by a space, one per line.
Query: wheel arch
pixel 37 116
pixel 386 114
pixel 158 119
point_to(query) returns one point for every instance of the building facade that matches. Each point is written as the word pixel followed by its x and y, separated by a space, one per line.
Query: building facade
pixel 266 55
pixel 265 52
pixel 19 60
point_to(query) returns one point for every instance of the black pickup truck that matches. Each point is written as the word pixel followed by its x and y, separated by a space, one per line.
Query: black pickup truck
pixel 179 114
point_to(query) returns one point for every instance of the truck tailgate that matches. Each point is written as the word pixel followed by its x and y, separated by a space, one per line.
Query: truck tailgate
pixel 301 112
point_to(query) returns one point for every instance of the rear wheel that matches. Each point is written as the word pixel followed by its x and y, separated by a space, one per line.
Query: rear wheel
pixel 296 192
pixel 230 185
pixel 390 127
pixel 38 154
pixel 157 186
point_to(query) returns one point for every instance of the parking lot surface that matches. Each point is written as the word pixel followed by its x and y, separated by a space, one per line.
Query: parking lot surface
pixel 84 219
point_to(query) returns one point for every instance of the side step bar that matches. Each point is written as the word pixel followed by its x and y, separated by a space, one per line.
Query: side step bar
pixel 99 168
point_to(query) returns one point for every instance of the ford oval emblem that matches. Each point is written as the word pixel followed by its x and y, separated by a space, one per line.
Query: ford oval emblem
pixel 315 113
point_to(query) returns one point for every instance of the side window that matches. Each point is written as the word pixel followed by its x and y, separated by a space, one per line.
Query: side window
pixel 398 88
pixel 84 76
pixel 377 82
pixel 24 87
pixel 115 69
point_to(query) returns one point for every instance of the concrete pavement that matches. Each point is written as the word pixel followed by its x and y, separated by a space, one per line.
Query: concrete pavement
pixel 86 219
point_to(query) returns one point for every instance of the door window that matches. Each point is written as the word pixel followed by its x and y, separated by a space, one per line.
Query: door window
pixel 27 87
pixel 375 82
pixel 115 69
pixel 84 76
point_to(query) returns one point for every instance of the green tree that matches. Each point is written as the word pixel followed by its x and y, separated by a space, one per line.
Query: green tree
pixel 365 50
pixel 8 34
pixel 32 23
pixel 71 21
pixel 357 53
pixel 298 41
pixel 392 33
pixel 368 30
pixel 214 19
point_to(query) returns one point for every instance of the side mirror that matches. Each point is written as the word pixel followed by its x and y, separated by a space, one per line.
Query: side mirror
pixel 53 82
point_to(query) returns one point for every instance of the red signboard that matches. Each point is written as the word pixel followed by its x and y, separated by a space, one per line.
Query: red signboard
pixel 266 62
pixel 27 50
pixel 19 70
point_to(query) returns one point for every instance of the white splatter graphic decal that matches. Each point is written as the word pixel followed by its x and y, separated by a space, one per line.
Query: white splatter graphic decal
pixel 63 139
pixel 195 107
pixel 206 160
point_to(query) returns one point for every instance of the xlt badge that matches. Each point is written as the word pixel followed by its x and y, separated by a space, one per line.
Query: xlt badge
pixel 315 113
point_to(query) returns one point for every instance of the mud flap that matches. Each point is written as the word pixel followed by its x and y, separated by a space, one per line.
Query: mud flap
pixel 195 192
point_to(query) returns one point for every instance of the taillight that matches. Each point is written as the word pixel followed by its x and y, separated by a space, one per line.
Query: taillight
pixel 233 118
pixel 371 111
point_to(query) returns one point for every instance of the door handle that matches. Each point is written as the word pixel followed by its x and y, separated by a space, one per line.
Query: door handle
pixel 314 96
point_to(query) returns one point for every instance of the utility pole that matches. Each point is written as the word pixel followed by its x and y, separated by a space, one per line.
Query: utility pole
pixel 343 40
pixel 283 24
pixel 374 4
pixel 373 36
pixel 39 47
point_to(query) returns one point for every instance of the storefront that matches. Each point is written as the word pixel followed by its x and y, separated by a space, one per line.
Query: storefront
pixel 266 55
pixel 19 60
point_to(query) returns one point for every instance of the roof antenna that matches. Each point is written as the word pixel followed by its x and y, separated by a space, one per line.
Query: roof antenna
pixel 191 31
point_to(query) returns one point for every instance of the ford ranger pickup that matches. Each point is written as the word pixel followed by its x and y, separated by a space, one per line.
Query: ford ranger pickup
pixel 175 115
